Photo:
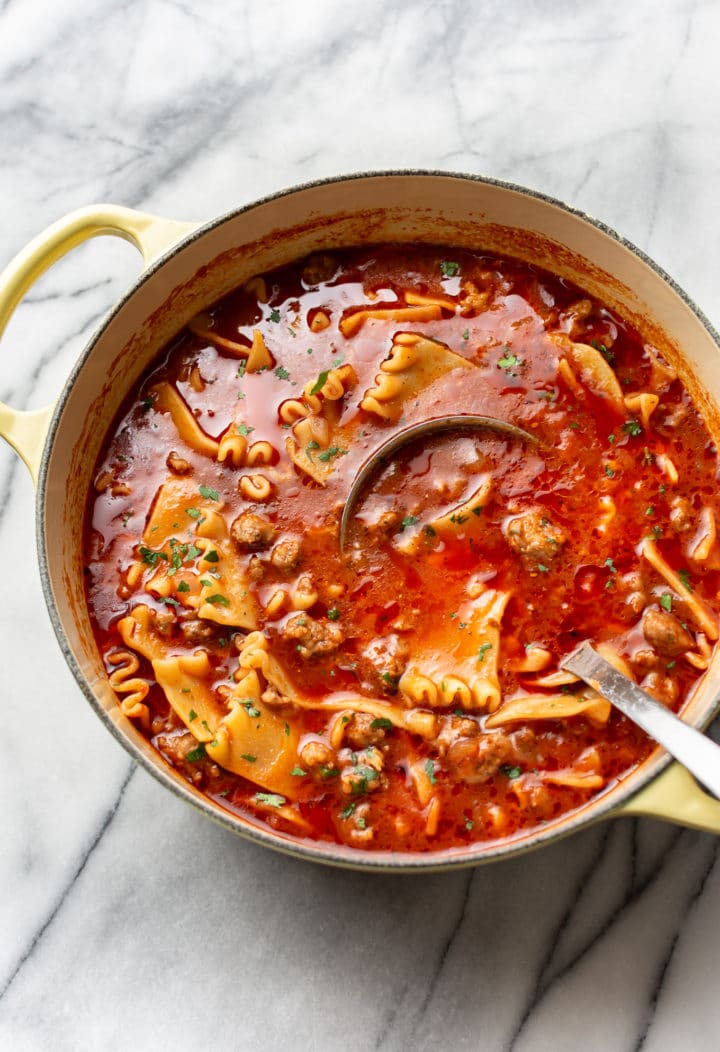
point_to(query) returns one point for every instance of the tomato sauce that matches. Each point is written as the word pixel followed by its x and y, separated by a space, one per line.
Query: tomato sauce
pixel 560 536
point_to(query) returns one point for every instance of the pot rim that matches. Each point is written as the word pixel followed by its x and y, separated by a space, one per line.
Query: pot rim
pixel 601 806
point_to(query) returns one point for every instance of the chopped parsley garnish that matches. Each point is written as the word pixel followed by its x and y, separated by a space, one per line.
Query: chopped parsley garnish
pixel 632 427
pixel 183 586
pixel 466 335
pixel 449 268
pixel 458 519
pixel 607 354
pixel 297 772
pixel 147 403
pixel 389 678
pixel 219 600
pixel 282 373
pixel 671 665
pixel 650 510
pixel 320 382
pixel 250 706
pixel 484 647
pixel 334 614
pixel 196 754
pixel 409 520
pixel 328 772
pixel 347 811
pixel 381 723
pixel 360 823
pixel 274 315
pixel 150 557
pixel 211 556
pixel 192 715
pixel 509 771
pixel 610 565
pixel 430 531
pixel 574 425
pixel 334 451
pixel 312 444
pixel 543 568
pixel 241 369
pixel 610 472
pixel 430 771
pixel 685 579
pixel 248 757
pixel 194 513
pixel 508 360
pixel 666 601
pixel 208 493
pixel 271 799
pixel 243 429
pixel 657 532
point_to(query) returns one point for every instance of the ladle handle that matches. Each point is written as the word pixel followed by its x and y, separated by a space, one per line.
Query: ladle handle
pixel 699 754
pixel 151 235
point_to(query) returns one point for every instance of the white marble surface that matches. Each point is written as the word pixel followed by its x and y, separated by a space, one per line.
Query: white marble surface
pixel 126 920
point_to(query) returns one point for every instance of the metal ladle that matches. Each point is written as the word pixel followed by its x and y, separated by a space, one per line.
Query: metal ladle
pixel 435 425
pixel 690 747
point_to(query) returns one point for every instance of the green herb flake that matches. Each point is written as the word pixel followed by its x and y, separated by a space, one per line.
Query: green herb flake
pixel 610 565
pixel 430 531
pixel 508 360
pixel 346 812
pixel 469 824
pixel 360 822
pixel 183 586
pixel 243 429
pixel 249 705
pixel 150 557
pixel 328 772
pixel 194 513
pixel 320 382
pixel 196 754
pixel 271 799
pixel 632 428
pixel 247 756
pixel 409 520
pixel 543 568
pixel 298 772
pixel 218 600
pixel 274 315
pixel 333 451
pixel 650 510
pixel 211 556
pixel 146 404
pixel 666 601
pixel 208 493
pixel 448 268
pixel 312 445
pixel 430 771
pixel 334 614
pixel 466 335
pixel 671 665
pixel 484 647
pixel 282 373
pixel 381 723
pixel 574 425
pixel 610 472
pixel 607 354
pixel 685 580
pixel 192 715
pixel 657 532
pixel 509 771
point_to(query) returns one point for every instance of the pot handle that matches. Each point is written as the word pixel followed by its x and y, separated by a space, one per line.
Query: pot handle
pixel 151 235
pixel 676 797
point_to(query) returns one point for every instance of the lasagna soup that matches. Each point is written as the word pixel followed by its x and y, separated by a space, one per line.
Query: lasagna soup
pixel 402 691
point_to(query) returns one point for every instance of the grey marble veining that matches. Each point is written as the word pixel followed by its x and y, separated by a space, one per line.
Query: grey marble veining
pixel 126 920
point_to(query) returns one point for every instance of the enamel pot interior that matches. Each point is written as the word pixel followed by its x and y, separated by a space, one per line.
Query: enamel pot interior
pixel 435 209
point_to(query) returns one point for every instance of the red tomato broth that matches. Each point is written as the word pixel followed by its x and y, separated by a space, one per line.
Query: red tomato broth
pixel 586 448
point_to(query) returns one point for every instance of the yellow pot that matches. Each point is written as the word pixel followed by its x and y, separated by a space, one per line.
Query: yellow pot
pixel 189 267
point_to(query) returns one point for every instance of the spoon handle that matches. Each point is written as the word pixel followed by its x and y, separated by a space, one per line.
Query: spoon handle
pixel 698 753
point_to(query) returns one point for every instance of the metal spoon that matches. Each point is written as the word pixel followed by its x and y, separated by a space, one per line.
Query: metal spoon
pixel 699 754
pixel 385 450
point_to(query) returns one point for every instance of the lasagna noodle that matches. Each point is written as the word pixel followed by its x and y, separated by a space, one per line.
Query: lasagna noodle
pixel 413 364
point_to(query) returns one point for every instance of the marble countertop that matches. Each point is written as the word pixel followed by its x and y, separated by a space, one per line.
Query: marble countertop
pixel 129 921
